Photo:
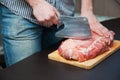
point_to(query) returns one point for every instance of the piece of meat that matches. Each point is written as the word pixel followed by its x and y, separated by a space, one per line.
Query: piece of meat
pixel 82 50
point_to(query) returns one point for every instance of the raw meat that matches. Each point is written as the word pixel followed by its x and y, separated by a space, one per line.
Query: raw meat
pixel 82 50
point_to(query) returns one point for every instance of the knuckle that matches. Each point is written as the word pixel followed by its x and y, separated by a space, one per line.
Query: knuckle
pixel 48 18
pixel 41 20
pixel 52 15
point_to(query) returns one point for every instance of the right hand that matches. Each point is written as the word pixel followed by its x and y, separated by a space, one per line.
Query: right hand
pixel 46 14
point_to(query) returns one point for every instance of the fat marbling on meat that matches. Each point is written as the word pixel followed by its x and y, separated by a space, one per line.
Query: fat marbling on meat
pixel 82 50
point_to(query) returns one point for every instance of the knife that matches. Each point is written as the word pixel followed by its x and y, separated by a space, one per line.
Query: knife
pixel 74 27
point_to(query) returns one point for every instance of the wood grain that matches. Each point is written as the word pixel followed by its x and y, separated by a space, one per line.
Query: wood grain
pixel 89 64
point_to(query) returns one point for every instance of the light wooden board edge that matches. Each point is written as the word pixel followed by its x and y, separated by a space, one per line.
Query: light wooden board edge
pixel 89 64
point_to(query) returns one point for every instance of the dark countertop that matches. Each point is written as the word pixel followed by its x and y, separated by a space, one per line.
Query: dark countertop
pixel 39 67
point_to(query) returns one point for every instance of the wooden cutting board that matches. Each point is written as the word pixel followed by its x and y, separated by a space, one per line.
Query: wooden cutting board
pixel 89 64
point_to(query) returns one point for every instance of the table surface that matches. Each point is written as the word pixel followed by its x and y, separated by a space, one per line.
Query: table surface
pixel 39 67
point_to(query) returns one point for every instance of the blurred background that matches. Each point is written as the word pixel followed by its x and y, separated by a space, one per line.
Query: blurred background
pixel 104 9
pixel 109 8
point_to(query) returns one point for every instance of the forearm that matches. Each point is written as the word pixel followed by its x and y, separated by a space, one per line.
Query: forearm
pixel 32 3
pixel 86 6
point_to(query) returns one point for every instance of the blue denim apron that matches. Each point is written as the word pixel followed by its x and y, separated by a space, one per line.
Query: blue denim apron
pixel 21 34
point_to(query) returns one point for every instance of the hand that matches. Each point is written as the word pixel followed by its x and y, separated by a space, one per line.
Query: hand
pixel 97 27
pixel 87 11
pixel 45 13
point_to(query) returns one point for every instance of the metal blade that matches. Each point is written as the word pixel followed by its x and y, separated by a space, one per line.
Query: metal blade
pixel 74 27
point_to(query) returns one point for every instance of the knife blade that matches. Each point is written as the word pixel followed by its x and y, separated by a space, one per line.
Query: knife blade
pixel 74 27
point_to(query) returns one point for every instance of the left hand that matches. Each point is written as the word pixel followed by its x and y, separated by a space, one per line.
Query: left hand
pixel 97 27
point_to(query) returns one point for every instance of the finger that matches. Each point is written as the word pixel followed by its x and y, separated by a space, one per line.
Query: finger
pixel 56 12
pixel 96 30
pixel 48 23
pixel 41 20
pixel 45 21
pixel 55 20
